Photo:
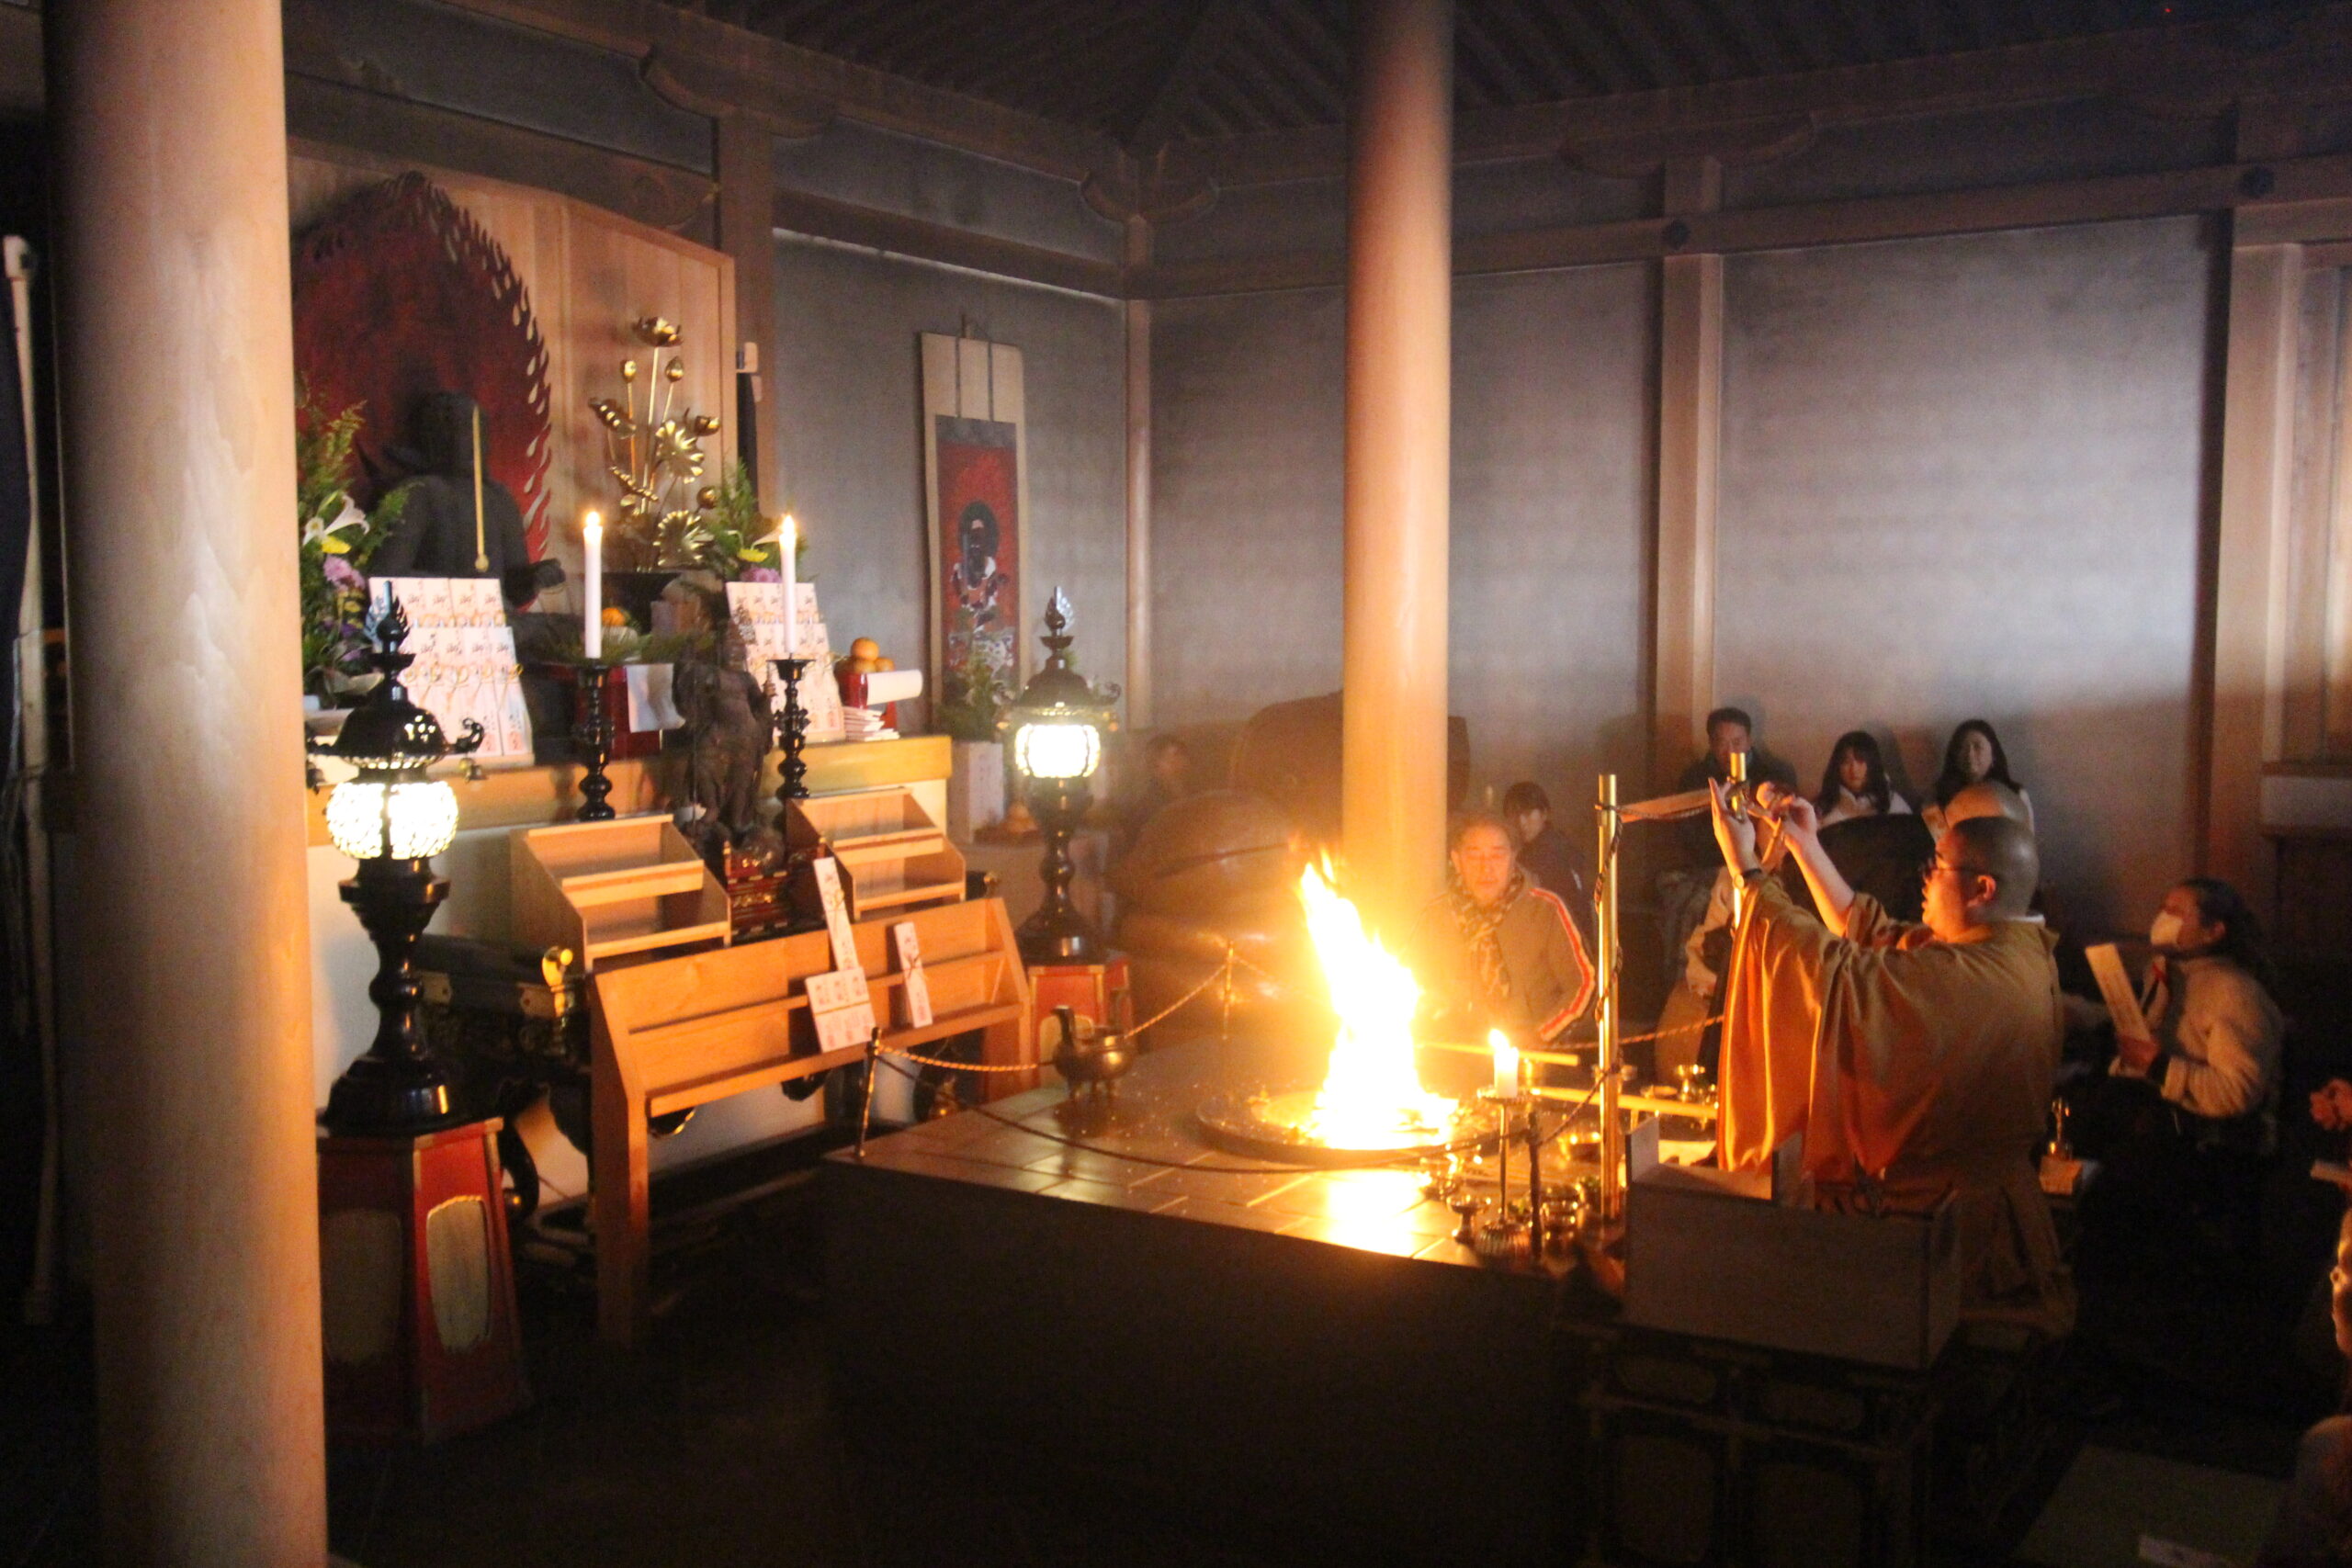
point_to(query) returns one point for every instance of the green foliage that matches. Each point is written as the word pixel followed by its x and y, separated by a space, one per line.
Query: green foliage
pixel 732 535
pixel 337 540
pixel 972 697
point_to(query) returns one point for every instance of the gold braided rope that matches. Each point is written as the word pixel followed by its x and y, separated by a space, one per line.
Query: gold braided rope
pixel 1220 972
pixel 1224 971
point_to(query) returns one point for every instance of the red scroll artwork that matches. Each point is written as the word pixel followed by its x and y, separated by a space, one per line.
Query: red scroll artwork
pixel 979 543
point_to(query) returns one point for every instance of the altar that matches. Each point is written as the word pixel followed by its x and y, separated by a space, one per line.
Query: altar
pixel 1163 1324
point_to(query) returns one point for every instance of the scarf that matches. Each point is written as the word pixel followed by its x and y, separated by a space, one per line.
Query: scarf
pixel 1481 926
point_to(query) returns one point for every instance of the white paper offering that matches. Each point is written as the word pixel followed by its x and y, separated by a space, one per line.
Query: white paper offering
pixel 917 988
pixel 464 663
pixel 836 901
pixel 842 1008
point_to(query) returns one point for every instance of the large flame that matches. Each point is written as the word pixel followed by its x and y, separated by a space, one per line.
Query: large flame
pixel 1372 1096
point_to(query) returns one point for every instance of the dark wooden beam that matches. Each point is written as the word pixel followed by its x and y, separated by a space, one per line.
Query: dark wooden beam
pixel 861 93
pixel 2178 193
pixel 825 219
pixel 340 118
pixel 1213 24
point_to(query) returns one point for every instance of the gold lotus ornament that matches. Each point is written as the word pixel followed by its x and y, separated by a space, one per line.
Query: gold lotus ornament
pixel 653 452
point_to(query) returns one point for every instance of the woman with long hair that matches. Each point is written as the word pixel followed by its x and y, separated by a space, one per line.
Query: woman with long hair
pixel 2216 1040
pixel 1854 784
pixel 1975 755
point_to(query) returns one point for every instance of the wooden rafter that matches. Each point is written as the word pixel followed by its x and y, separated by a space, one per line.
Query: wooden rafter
pixel 1478 54
pixel 1212 30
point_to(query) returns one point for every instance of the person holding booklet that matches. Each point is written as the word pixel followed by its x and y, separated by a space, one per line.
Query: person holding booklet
pixel 2188 1108
pixel 2215 1037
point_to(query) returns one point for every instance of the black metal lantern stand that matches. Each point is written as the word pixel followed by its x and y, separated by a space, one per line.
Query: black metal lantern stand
pixel 1057 744
pixel 393 819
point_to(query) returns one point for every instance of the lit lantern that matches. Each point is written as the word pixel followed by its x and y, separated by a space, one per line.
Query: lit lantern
pixel 1056 730
pixel 392 818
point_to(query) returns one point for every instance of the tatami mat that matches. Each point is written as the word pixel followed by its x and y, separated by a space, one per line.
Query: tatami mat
pixel 2122 1510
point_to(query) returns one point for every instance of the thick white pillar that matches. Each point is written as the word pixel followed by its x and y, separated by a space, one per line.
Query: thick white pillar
pixel 1401 300
pixel 175 353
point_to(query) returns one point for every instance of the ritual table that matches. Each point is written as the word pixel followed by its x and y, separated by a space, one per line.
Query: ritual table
pixel 1301 1359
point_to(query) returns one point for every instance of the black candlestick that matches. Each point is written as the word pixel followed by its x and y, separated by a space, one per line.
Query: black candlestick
pixel 397 1085
pixel 593 735
pixel 791 734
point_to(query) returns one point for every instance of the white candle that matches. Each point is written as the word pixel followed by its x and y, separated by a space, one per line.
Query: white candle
pixel 592 591
pixel 1506 1061
pixel 787 536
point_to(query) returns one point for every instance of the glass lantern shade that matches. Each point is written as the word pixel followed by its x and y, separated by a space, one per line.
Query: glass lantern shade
pixel 403 817
pixel 1058 748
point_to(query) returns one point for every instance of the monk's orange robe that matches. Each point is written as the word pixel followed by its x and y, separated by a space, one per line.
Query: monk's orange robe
pixel 1916 1069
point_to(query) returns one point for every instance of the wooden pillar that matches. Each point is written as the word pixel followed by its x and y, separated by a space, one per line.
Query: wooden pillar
pixel 747 233
pixel 2245 608
pixel 175 353
pixel 1689 428
pixel 1399 403
pixel 1140 714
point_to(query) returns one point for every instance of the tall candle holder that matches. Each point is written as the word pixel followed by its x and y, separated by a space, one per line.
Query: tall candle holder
pixel 592 733
pixel 792 735
pixel 1507 1238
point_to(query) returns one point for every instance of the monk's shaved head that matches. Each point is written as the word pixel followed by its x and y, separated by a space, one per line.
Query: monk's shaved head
pixel 2001 849
pixel 1987 797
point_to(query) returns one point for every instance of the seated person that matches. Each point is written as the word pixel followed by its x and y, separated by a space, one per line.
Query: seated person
pixel 2218 1038
pixel 1973 756
pixel 1682 890
pixel 1545 852
pixel 1854 785
pixel 1917 1060
pixel 1495 951
pixel 1168 778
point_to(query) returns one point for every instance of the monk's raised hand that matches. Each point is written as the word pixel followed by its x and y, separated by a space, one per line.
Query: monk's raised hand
pixel 1799 819
pixel 1735 831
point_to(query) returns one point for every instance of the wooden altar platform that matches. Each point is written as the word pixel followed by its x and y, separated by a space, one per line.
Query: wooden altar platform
pixel 1305 1356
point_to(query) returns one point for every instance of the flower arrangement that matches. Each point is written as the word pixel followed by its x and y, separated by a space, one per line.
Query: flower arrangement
pixel 336 539
pixel 736 542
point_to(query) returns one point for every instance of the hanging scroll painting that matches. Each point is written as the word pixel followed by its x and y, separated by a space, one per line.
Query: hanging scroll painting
pixel 975 505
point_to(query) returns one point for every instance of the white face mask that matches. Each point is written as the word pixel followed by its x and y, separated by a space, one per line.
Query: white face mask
pixel 2164 934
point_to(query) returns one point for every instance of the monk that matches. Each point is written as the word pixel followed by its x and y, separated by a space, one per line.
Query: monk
pixel 1917 1060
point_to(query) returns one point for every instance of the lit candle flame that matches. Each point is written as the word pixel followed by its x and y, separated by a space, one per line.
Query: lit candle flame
pixel 1506 1061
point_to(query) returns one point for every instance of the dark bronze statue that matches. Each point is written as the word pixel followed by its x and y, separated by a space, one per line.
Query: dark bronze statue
pixel 728 729
pixel 438 533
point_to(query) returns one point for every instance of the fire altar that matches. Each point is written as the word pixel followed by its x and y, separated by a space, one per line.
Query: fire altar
pixel 1311 1351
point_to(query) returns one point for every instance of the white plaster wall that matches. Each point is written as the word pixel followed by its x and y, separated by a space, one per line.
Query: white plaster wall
pixel 1961 476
